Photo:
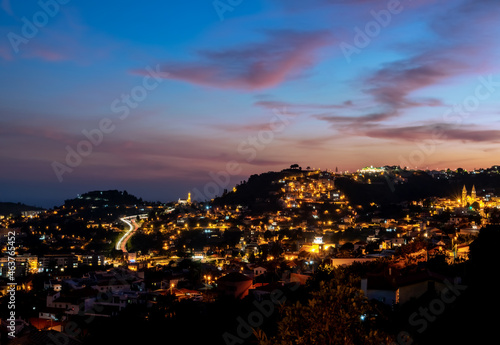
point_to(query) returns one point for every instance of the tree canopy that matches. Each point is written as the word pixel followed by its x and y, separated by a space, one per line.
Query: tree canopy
pixel 336 313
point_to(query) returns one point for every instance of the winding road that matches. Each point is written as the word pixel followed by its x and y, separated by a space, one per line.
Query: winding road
pixel 122 242
pixel 132 227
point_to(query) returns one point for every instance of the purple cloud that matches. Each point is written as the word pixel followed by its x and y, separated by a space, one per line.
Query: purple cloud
pixel 284 54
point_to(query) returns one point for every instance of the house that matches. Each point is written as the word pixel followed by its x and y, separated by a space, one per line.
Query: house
pixel 234 284
pixel 112 304
pixel 299 278
pixel 257 271
pixel 72 302
pixel 385 244
pixel 473 230
pixel 460 251
pixel 379 288
pixel 397 241
pixel 261 292
pixel 392 289
pixel 24 264
pixel 291 256
pixel 50 314
pixel 53 284
pixel 111 286
pixel 415 285
pixel 435 251
pixel 57 262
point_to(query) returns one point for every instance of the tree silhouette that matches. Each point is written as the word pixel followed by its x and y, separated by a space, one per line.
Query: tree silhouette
pixel 475 205
pixel 336 314
pixel 251 258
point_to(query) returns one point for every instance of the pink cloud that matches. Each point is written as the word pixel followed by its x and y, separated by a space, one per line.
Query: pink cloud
pixel 393 84
pixel 285 54
pixel 435 132
pixel 457 50
pixel 46 54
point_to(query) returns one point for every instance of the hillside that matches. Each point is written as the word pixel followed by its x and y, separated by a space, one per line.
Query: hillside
pixel 259 192
pixel 7 208
pixel 263 191
pixel 109 198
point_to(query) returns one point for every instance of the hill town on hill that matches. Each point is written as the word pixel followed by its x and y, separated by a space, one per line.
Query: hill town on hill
pixel 401 236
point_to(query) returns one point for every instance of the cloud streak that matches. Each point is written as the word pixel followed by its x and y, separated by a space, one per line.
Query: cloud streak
pixel 429 132
pixel 399 85
pixel 283 55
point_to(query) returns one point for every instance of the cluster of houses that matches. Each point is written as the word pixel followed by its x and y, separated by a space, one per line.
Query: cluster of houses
pixel 276 248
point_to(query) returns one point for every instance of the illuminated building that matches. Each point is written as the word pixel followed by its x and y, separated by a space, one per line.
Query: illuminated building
pixel 372 170
pixel 24 265
pixel 185 201
pixel 470 199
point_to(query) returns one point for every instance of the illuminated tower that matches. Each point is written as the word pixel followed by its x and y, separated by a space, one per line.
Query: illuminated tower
pixel 189 197
pixel 473 193
pixel 464 196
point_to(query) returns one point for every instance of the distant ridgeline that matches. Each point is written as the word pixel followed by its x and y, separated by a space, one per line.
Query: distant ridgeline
pixel 110 198
pixel 415 185
pixel 16 209
pixel 259 190
pixel 363 188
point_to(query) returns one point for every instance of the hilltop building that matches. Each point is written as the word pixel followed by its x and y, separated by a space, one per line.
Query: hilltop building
pixel 185 201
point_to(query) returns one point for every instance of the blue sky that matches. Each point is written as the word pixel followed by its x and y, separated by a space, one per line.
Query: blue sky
pixel 418 84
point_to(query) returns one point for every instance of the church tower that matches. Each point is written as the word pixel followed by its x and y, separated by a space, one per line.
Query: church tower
pixel 473 193
pixel 464 196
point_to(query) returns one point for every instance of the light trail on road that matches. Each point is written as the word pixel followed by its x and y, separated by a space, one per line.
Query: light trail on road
pixel 122 242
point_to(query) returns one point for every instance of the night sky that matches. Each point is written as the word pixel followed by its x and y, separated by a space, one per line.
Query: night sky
pixel 161 97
